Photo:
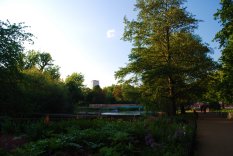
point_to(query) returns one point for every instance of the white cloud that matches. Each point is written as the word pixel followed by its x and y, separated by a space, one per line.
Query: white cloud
pixel 111 33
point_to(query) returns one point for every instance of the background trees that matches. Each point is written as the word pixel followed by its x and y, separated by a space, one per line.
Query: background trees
pixel 169 66
pixel 167 58
pixel 42 94
pixel 109 97
pixel 42 61
pixel 29 82
pixel 125 93
pixel 119 94
pixel 74 83
pixel 97 96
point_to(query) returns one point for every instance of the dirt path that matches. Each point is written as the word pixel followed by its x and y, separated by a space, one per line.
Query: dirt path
pixel 214 137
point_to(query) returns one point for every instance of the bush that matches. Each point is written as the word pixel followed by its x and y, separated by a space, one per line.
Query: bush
pixel 8 126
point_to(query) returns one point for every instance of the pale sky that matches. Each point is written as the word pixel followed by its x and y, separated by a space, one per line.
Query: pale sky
pixel 84 36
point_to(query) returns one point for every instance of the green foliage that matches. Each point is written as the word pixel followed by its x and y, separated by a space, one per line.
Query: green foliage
pixel 108 151
pixel 76 79
pixel 53 71
pixel 9 127
pixel 97 95
pixel 37 59
pixel 225 16
pixel 117 92
pixel 213 88
pixel 109 96
pixel 131 94
pixel 225 38
pixel 123 93
pixel 42 61
pixel 75 86
pixel 31 83
pixel 43 94
pixel 38 130
pixel 28 82
pixel 3 152
pixel 105 137
pixel 167 59
pixel 31 59
pixel 12 38
pixel 225 110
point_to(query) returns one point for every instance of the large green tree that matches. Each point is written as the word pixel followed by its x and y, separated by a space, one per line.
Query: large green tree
pixel 225 38
pixel 12 38
pixel 166 58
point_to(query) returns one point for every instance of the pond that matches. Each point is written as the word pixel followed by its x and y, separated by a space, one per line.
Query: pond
pixel 124 113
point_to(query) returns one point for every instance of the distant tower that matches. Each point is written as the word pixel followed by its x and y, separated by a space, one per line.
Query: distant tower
pixel 94 83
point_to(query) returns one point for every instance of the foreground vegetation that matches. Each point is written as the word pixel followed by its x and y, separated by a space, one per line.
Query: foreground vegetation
pixel 148 136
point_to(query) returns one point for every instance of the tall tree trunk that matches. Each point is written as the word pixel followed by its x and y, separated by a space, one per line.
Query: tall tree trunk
pixel 170 81
pixel 171 96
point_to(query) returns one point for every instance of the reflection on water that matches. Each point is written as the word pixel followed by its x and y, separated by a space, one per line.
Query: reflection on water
pixel 123 113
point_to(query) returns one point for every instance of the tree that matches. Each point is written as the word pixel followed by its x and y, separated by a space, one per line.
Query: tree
pixel 54 72
pixel 31 59
pixel 214 87
pixel 109 97
pixel 28 82
pixel 117 93
pixel 131 94
pixel 41 94
pixel 166 57
pixel 12 38
pixel 96 96
pixel 74 83
pixel 43 61
pixel 225 15
pixel 225 38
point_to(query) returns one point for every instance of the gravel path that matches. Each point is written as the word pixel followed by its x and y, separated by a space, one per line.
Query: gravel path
pixel 214 137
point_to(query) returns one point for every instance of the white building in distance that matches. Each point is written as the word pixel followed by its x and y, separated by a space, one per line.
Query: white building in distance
pixel 94 83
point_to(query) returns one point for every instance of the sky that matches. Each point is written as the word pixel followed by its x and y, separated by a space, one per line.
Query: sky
pixel 84 36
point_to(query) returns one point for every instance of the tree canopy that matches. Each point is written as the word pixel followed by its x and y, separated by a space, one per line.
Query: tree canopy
pixel 12 39
pixel 74 83
pixel 42 61
pixel 167 58
pixel 225 38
